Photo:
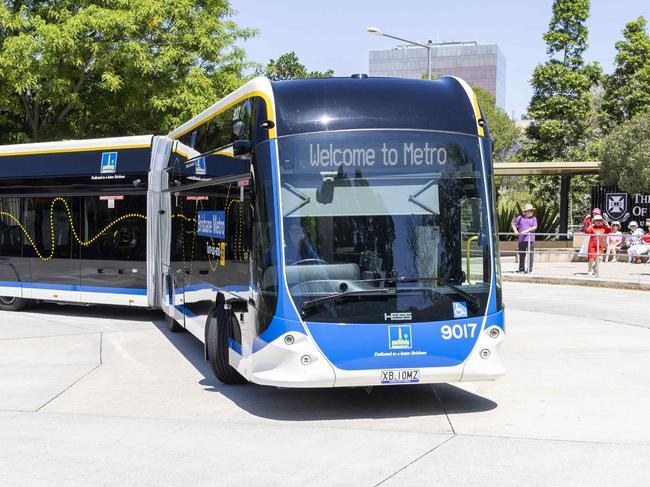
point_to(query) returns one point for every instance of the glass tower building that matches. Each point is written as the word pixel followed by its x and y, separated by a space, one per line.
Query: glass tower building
pixel 482 65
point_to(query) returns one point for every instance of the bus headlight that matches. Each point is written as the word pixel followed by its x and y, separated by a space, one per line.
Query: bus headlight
pixel 289 339
pixel 485 353
pixel 305 360
pixel 494 332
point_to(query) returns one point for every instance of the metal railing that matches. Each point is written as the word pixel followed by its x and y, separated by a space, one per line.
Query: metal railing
pixel 626 247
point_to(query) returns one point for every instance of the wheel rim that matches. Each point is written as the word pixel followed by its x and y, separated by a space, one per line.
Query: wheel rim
pixel 8 300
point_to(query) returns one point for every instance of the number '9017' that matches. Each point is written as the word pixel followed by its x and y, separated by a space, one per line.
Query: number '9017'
pixel 458 331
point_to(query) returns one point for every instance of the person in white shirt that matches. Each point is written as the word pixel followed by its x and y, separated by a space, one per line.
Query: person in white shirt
pixel 633 239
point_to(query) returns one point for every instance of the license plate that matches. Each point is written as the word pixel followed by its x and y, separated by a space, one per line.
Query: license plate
pixel 403 376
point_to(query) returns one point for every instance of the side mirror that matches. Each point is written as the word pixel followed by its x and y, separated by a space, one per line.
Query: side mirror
pixel 242 149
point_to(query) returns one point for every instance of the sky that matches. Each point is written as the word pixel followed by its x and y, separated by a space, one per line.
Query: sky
pixel 331 34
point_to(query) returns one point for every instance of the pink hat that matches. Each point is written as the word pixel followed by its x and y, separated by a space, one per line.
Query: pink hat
pixel 596 211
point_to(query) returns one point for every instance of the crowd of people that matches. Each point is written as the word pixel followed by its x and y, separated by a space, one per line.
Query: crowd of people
pixel 605 241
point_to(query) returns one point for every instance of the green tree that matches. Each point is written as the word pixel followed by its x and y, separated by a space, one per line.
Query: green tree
pixel 503 131
pixel 87 68
pixel 627 90
pixel 288 66
pixel 561 108
pixel 626 155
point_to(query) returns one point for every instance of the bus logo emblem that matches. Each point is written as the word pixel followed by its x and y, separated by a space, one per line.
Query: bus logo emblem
pixel 199 166
pixel 109 162
pixel 399 337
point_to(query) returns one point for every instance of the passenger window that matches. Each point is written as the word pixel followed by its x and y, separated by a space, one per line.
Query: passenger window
pixel 48 222
pixel 115 226
pixel 10 231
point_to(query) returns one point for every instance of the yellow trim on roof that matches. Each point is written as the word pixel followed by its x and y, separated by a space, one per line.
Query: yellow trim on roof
pixel 251 94
pixel 75 149
pixel 477 113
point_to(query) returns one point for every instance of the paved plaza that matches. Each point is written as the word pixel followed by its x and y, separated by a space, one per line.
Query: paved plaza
pixel 619 275
pixel 107 396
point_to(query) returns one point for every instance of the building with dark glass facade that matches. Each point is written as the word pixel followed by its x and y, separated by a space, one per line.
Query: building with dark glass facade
pixel 482 65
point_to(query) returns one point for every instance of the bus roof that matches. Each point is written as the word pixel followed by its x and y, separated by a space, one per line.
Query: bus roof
pixel 315 105
pixel 54 163
pixel 134 142
pixel 301 106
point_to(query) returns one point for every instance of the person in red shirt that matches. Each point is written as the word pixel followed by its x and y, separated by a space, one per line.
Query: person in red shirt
pixel 598 229
pixel 588 219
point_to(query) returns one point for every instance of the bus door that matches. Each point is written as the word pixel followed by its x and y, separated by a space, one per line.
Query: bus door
pixel 113 253
pixel 52 250
pixel 217 248
pixel 180 255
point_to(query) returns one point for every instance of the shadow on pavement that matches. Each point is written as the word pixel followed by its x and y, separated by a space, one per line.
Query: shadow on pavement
pixel 332 403
pixel 94 311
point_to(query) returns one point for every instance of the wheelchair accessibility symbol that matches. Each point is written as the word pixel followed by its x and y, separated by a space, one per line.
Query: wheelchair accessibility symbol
pixel 460 309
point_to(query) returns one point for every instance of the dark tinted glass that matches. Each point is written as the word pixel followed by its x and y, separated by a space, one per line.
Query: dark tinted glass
pixel 48 221
pixel 115 227
pixel 11 234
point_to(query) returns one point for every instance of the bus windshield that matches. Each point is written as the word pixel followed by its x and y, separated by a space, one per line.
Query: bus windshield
pixel 385 222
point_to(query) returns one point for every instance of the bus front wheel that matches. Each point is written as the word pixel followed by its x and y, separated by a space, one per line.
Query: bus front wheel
pixel 219 324
pixel 12 303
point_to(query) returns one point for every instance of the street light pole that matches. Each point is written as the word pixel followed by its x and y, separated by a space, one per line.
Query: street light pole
pixel 378 32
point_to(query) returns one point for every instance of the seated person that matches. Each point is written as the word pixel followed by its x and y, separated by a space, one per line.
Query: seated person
pixel 297 246
pixel 614 242
pixel 643 247
pixel 632 239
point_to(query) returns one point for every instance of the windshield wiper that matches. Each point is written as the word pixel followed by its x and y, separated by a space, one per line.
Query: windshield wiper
pixel 472 300
pixel 313 303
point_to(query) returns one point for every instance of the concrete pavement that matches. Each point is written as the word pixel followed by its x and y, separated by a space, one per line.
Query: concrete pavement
pixel 106 396
pixel 619 275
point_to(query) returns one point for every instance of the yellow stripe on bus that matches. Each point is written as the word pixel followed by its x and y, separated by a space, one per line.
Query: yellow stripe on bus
pixel 251 94
pixel 477 114
pixel 77 149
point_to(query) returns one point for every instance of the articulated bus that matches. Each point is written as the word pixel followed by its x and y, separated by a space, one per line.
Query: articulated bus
pixel 311 233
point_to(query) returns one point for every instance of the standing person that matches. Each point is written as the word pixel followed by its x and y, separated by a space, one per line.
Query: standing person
pixel 524 227
pixel 597 230
pixel 632 240
pixel 589 218
pixel 643 247
pixel 614 242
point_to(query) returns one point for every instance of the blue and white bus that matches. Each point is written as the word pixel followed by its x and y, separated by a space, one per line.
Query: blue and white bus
pixel 346 234
pixel 321 233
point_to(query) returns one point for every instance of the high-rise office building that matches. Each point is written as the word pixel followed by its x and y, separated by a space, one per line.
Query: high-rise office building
pixel 482 65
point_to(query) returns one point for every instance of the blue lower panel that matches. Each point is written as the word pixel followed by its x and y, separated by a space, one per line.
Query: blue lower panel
pixel 78 288
pixel 234 345
pixel 404 345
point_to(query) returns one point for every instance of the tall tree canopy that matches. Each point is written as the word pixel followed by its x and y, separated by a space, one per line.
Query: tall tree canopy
pixel 626 155
pixel 627 90
pixel 561 108
pixel 503 131
pixel 87 68
pixel 288 66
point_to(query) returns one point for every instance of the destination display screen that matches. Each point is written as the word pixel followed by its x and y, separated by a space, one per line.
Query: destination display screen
pixel 379 152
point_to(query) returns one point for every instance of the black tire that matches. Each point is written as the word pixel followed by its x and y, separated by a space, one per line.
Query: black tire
pixel 173 325
pixel 11 303
pixel 218 326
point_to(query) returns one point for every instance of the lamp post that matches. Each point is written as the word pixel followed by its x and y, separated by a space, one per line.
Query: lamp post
pixel 378 32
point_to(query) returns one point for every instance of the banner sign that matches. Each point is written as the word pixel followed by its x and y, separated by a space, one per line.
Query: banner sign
pixel 211 224
pixel 621 206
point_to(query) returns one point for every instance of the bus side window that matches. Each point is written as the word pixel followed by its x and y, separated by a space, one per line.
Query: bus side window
pixel 10 231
